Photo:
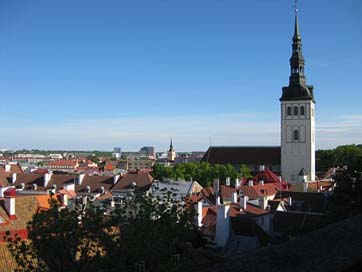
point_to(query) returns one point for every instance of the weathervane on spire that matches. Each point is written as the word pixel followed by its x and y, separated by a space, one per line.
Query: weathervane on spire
pixel 295 6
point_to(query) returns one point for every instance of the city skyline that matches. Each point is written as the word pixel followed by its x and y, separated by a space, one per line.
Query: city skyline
pixel 189 71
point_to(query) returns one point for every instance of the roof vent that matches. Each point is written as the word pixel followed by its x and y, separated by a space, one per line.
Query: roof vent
pixel 88 189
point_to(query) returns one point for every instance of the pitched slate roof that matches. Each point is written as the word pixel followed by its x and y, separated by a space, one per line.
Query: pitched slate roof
pixel 60 180
pixel 311 202
pixel 29 180
pixel 245 226
pixel 142 179
pixel 335 247
pixel 237 155
pixel 95 183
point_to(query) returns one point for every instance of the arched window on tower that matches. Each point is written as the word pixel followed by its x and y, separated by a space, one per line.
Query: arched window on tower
pixel 302 110
pixel 296 135
pixel 289 111
pixel 295 110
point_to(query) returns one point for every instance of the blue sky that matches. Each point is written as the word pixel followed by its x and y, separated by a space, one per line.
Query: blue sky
pixel 97 74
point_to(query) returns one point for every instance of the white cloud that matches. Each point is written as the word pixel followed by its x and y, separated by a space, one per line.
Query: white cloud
pixel 189 132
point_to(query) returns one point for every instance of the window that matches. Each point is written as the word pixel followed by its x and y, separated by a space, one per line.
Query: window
pixel 302 110
pixel 295 110
pixel 289 111
pixel 296 135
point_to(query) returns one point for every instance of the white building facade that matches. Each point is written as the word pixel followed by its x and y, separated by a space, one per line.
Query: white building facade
pixel 297 120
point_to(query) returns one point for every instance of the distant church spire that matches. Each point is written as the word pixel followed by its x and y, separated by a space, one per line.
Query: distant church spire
pixel 171 146
pixel 297 89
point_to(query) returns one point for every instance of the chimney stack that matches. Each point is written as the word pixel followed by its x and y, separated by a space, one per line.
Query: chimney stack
pixel 237 183
pixel 218 202
pixel 199 214
pixel 115 179
pixel 263 202
pixel 9 200
pixel 227 182
pixel 234 197
pixel 243 201
pixel 261 168
pixel 261 182
pixel 47 178
pixel 14 177
pixel 216 187
pixel 290 201
pixel 251 182
pixel 80 179
pixel 7 168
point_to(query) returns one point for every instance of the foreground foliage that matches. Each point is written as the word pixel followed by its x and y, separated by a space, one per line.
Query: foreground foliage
pixel 144 234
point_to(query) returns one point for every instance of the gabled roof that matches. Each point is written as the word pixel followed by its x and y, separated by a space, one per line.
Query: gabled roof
pixel 142 179
pixel 226 191
pixel 69 163
pixel 309 202
pixel 208 194
pixel 29 180
pixel 60 180
pixel 95 183
pixel 256 191
pixel 237 155
pixel 245 226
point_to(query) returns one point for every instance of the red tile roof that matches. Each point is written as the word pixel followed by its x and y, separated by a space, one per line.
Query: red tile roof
pixel 62 163
pixel 226 191
pixel 256 191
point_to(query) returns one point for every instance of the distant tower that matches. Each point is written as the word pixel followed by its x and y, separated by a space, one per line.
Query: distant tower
pixel 171 153
pixel 297 119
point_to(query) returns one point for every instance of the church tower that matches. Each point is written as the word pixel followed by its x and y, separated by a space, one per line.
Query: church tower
pixel 297 119
pixel 171 153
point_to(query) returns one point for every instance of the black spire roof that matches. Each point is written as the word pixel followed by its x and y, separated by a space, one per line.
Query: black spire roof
pixel 297 89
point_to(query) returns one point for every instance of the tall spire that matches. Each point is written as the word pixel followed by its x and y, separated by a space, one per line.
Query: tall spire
pixel 297 88
pixel 296 26
pixel 171 146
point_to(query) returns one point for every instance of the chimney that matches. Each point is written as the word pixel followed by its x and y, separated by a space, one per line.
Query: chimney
pixel 321 188
pixel 290 201
pixel 7 168
pixel 216 186
pixel 251 182
pixel 113 203
pixel 65 199
pixel 9 199
pixel 222 225
pixel 47 178
pixel 14 177
pixel 115 179
pixel 80 179
pixel 227 182
pixel 234 197
pixel 263 202
pixel 199 214
pixel 218 202
pixel 243 201
pixel 237 183
pixel 305 186
pixel 261 182
pixel 261 168
pixel 280 178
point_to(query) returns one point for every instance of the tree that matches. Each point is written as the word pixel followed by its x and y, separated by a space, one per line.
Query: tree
pixel 245 171
pixel 146 232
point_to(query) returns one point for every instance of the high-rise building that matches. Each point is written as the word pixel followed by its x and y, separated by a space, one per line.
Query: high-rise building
pixel 117 152
pixel 297 119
